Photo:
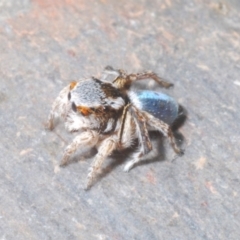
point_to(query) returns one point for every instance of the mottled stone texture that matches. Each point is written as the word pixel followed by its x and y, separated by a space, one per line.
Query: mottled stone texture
pixel 45 44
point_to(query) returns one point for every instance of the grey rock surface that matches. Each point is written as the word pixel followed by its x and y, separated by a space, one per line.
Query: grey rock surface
pixel 46 44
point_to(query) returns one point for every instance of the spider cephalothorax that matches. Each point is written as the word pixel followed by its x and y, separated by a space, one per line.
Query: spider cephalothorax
pixel 109 116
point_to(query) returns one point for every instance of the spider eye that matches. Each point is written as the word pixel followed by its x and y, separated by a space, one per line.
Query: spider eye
pixel 69 96
pixel 74 107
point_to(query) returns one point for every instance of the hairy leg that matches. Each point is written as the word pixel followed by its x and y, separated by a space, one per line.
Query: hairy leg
pixel 124 80
pixel 59 107
pixel 109 74
pixel 85 139
pixel 105 149
pixel 136 127
pixel 151 75
pixel 141 130
pixel 138 157
pixel 165 129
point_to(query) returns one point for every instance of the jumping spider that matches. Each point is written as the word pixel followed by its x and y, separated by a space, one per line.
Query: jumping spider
pixel 109 116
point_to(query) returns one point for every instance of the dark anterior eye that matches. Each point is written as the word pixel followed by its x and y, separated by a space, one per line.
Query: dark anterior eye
pixel 74 107
pixel 69 96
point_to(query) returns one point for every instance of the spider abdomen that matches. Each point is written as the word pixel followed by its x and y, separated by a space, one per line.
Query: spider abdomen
pixel 158 104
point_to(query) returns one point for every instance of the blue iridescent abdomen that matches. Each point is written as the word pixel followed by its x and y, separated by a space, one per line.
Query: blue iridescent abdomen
pixel 159 105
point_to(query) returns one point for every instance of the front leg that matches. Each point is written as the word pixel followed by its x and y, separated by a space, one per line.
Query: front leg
pixel 86 139
pixel 60 106
pixel 105 149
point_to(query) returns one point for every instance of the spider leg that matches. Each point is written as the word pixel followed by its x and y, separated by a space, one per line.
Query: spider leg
pixel 138 157
pixel 142 131
pixel 123 80
pixel 105 149
pixel 85 139
pixel 142 134
pixel 135 158
pixel 165 129
pixel 123 122
pixel 59 107
pixel 152 75
pixel 109 73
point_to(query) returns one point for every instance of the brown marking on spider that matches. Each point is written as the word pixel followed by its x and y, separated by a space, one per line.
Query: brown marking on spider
pixel 85 111
pixel 72 85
